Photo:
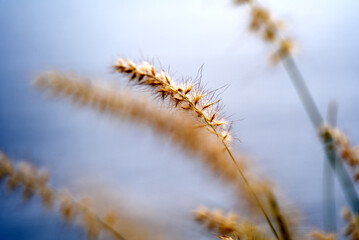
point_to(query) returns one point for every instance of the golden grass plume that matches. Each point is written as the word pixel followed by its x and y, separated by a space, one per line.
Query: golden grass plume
pixel 182 128
pixel 263 23
pixel 228 226
pixel 193 99
pixel 347 152
pixel 352 221
pixel 32 182
pixel 187 96
pixel 319 235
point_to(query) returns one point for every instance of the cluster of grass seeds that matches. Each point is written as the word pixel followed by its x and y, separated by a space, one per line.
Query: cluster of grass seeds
pixel 337 146
pixel 263 23
pixel 192 99
pixel 182 129
pixel 352 221
pixel 228 226
pixel 319 235
pixel 33 182
pixel 349 153
pixel 187 96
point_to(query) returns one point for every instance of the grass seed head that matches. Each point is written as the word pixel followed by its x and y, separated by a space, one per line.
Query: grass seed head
pixel 188 96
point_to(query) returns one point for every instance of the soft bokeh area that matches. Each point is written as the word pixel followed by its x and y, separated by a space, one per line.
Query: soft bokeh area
pixel 148 177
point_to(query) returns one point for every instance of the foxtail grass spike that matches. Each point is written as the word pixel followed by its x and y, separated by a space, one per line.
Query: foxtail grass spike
pixel 162 83
pixel 329 206
pixel 32 182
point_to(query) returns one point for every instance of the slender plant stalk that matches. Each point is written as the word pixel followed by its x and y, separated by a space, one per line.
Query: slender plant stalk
pixel 317 121
pixel 163 81
pixel 251 190
pixel 229 226
pixel 282 224
pixel 263 23
pixel 103 224
pixel 329 206
pixel 27 177
pixel 181 128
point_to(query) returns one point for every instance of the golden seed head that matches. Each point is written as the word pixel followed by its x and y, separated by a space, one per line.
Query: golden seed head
pixel 260 14
pixel 111 218
pixel 216 221
pixel 201 214
pixel 270 33
pixel 318 235
pixel 287 46
pixel 27 176
pixel 347 152
pixel 181 95
pixel 68 211
pixel 131 64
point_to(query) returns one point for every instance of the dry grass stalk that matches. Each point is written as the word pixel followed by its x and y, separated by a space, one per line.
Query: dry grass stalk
pixel 280 219
pixel 352 220
pixel 189 96
pixel 193 100
pixel 182 129
pixel 261 18
pixel 347 152
pixel 36 182
pixel 319 235
pixel 228 226
pixel 269 28
pixel 131 218
pixel 180 126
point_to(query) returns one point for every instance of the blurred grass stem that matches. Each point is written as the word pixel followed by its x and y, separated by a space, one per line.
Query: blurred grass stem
pixel 329 206
pixel 251 190
pixel 317 121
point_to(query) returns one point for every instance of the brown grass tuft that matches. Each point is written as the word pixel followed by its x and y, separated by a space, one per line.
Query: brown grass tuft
pixel 347 152
pixel 182 128
pixel 263 23
pixel 352 220
pixel 32 182
pixel 228 226
pixel 319 235
pixel 189 96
